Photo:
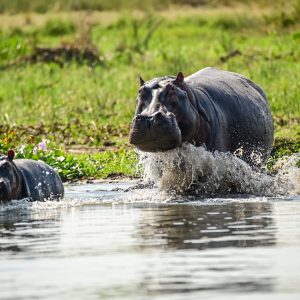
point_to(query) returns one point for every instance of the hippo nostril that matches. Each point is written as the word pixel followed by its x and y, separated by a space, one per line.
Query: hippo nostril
pixel 141 118
pixel 158 115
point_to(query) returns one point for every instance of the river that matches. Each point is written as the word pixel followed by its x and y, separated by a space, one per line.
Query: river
pixel 108 241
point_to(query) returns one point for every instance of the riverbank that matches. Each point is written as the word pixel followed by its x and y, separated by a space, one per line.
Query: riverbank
pixel 69 79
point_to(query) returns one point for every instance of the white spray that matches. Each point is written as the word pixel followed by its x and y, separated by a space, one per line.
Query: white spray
pixel 191 168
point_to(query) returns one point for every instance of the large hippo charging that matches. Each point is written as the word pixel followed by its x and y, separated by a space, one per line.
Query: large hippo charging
pixel 26 178
pixel 222 110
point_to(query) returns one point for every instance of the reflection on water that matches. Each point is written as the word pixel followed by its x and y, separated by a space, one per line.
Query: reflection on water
pixel 209 226
pixel 24 235
pixel 115 250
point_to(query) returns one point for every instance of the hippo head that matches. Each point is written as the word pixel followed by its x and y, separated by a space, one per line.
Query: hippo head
pixel 10 178
pixel 165 115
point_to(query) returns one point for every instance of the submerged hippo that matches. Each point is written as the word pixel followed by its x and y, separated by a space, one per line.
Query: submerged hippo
pixel 26 178
pixel 222 110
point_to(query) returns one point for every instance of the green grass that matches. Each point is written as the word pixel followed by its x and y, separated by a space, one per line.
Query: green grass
pixel 42 6
pixel 72 102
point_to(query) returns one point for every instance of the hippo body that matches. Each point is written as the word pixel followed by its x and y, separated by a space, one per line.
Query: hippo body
pixel 39 181
pixel 222 110
pixel 26 178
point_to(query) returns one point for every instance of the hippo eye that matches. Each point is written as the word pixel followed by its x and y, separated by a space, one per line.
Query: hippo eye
pixel 145 94
pixel 142 94
pixel 170 88
pixel 142 91
pixel 4 165
pixel 4 169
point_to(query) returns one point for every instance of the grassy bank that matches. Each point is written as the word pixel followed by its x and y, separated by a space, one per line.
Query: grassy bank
pixel 43 6
pixel 72 78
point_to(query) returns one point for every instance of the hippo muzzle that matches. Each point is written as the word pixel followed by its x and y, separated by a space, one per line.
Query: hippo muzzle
pixel 156 132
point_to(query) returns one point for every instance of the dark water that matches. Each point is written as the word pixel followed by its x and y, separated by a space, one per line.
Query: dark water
pixel 100 244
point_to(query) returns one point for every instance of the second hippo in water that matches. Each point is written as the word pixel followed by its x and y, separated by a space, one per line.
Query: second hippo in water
pixel 27 178
pixel 222 110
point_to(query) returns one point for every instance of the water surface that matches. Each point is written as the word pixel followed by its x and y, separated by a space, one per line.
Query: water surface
pixel 107 242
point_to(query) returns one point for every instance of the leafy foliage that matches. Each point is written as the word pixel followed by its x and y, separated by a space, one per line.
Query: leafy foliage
pixel 74 167
pixel 73 102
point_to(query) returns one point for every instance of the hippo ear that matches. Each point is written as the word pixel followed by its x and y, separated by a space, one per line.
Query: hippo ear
pixel 180 77
pixel 142 81
pixel 10 154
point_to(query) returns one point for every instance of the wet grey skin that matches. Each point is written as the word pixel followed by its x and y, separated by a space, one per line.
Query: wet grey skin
pixel 220 110
pixel 26 178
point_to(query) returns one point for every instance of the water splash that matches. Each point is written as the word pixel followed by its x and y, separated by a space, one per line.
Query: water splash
pixel 193 169
pixel 189 169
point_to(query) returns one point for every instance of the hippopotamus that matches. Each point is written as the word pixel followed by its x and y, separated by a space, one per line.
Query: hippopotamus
pixel 220 110
pixel 27 178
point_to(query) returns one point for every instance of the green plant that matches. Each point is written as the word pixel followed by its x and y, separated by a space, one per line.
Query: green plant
pixel 86 107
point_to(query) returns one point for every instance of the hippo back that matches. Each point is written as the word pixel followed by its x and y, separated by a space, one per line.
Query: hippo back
pixel 39 181
pixel 238 111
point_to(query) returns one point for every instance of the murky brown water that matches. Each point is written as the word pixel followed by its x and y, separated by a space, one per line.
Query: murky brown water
pixel 100 244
